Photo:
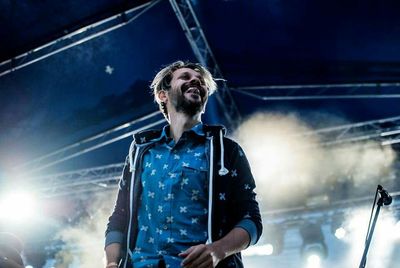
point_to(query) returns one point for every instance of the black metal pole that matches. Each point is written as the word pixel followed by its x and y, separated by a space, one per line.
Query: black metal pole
pixel 384 199
pixel 371 232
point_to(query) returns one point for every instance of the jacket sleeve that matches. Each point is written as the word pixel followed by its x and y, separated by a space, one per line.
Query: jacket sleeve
pixel 117 222
pixel 244 194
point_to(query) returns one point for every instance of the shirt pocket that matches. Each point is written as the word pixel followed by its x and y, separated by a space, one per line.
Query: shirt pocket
pixel 193 184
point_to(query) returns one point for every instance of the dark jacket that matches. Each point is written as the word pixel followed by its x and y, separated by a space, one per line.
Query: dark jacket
pixel 231 191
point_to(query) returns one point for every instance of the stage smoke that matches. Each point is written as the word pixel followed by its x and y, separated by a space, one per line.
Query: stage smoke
pixel 85 241
pixel 289 167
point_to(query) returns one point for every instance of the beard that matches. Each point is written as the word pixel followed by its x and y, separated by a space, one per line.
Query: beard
pixel 188 106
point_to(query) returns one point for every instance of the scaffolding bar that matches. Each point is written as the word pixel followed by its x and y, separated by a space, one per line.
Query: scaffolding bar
pixel 194 33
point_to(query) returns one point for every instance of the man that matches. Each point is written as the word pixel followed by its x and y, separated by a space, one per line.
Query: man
pixel 186 197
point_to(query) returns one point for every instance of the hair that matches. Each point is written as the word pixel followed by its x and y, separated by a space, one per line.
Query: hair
pixel 162 80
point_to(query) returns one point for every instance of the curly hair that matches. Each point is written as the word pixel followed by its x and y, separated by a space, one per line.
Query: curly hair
pixel 162 80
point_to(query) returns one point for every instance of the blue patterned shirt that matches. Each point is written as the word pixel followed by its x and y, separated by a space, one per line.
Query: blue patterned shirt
pixel 173 213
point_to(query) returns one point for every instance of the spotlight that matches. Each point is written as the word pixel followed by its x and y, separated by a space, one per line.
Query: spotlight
pixel 340 233
pixel 313 248
pixel 314 261
pixel 337 227
pixel 17 206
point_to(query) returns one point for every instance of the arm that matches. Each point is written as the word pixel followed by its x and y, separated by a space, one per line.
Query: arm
pixel 116 226
pixel 210 255
pixel 113 255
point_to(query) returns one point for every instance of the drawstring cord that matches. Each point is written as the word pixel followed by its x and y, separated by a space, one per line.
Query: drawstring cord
pixel 223 170
pixel 131 164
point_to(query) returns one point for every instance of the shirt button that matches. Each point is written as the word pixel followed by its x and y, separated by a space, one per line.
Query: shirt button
pixel 165 227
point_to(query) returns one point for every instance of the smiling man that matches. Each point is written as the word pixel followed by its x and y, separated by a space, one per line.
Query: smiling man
pixel 186 196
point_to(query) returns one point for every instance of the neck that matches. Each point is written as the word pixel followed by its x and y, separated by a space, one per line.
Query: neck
pixel 180 123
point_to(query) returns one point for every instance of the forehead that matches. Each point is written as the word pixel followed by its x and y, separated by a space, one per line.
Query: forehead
pixel 181 71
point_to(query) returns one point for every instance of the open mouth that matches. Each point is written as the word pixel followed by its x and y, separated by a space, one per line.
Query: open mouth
pixel 193 90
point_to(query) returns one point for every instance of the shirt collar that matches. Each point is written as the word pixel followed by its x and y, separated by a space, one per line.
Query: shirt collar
pixel 197 129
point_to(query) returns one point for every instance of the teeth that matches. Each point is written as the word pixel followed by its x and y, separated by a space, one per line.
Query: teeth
pixel 193 90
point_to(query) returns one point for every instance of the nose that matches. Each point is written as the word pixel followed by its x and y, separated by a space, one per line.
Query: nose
pixel 194 80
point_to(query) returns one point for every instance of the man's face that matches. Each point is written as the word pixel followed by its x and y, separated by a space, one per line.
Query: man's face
pixel 188 93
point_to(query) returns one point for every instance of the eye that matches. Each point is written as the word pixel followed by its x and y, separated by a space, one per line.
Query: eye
pixel 184 77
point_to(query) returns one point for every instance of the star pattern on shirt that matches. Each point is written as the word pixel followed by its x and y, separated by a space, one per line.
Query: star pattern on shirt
pixel 195 195
pixel 169 197
pixel 234 173
pixel 170 219
pixel 184 164
pixel 167 170
pixel 183 231
pixel 222 196
pixel 183 209
pixel 185 181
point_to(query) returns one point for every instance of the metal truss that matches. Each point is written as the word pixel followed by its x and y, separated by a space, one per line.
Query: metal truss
pixel 385 131
pixel 75 183
pixel 322 91
pixel 324 214
pixel 92 143
pixel 74 38
pixel 194 33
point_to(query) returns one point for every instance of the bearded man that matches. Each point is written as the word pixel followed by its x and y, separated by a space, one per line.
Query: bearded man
pixel 186 196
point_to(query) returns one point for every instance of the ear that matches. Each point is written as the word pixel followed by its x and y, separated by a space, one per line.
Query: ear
pixel 162 96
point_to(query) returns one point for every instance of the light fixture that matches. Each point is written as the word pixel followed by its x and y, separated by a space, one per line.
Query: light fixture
pixel 313 248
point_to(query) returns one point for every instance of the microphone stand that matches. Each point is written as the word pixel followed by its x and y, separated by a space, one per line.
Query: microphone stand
pixel 383 199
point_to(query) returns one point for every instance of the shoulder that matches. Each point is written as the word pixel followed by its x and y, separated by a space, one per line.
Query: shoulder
pixel 146 136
